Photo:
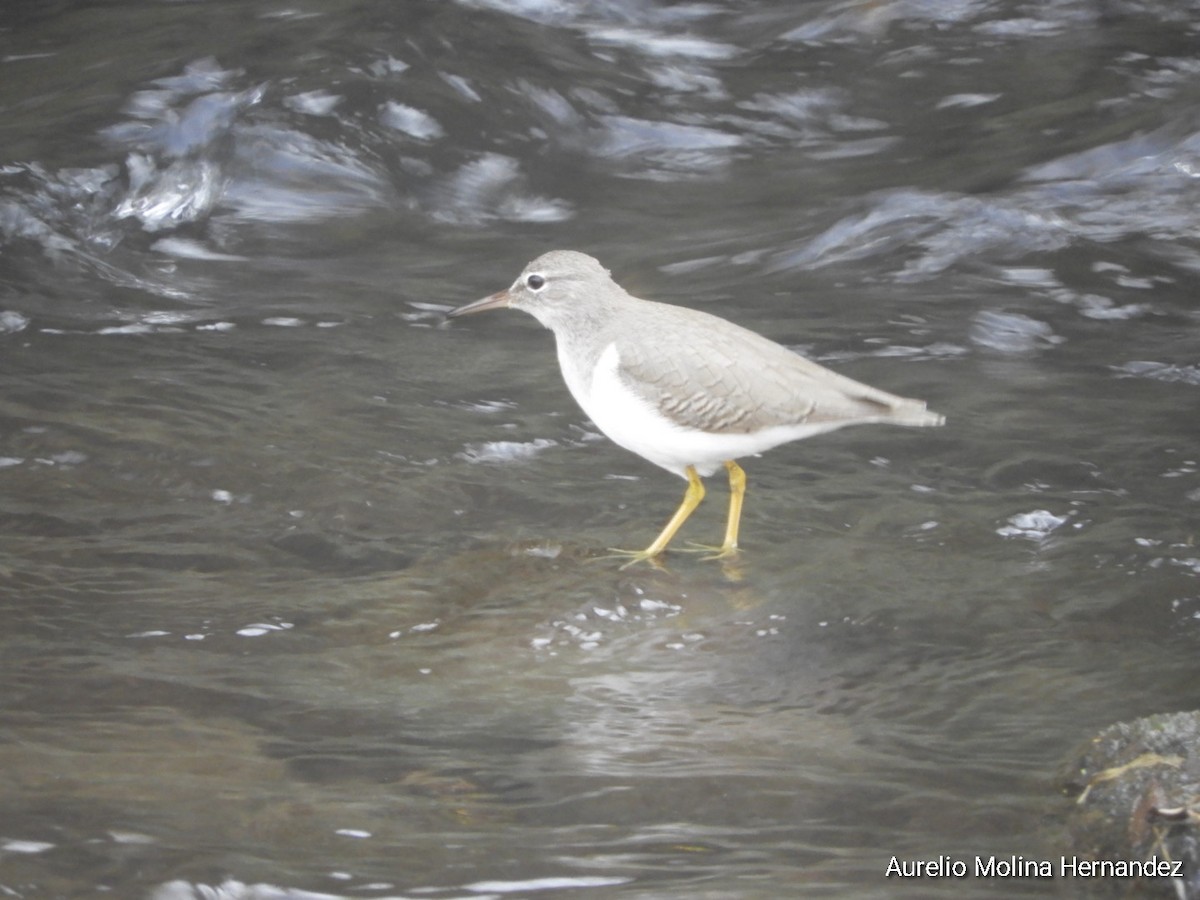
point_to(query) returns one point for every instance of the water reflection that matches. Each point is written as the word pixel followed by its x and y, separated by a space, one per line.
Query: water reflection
pixel 300 584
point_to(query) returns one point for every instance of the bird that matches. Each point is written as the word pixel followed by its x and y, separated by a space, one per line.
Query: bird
pixel 684 389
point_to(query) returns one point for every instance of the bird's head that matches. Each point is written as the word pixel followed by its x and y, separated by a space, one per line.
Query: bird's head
pixel 556 287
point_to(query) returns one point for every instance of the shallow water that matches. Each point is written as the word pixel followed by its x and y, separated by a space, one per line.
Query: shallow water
pixel 299 582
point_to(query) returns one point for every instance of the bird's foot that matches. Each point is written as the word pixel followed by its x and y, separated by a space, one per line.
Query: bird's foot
pixel 727 554
pixel 634 556
pixel 725 551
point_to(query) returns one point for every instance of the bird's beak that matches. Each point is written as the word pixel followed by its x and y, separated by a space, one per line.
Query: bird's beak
pixel 496 301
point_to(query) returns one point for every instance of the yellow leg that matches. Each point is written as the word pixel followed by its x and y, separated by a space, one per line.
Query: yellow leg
pixel 691 499
pixel 737 493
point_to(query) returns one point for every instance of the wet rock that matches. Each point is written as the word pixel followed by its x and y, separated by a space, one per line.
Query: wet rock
pixel 1137 789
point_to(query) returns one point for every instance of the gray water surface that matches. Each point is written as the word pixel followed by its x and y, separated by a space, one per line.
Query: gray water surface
pixel 300 584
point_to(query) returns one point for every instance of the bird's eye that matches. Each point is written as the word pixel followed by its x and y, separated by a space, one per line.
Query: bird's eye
pixel 535 282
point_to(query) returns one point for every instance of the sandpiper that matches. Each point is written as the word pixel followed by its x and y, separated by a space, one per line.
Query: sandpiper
pixel 685 389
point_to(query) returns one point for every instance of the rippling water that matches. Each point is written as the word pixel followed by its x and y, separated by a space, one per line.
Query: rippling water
pixel 297 580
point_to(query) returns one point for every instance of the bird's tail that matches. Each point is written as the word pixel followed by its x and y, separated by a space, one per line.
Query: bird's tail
pixel 915 414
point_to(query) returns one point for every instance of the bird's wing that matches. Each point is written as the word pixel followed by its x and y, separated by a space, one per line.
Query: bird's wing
pixel 728 379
